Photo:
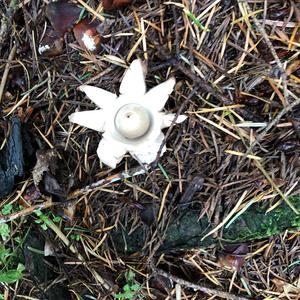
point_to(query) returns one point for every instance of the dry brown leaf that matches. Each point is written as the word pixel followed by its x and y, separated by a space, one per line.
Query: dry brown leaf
pixel 287 288
pixel 45 161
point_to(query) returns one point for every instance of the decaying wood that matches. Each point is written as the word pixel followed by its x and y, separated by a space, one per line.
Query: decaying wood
pixel 11 158
pixel 187 231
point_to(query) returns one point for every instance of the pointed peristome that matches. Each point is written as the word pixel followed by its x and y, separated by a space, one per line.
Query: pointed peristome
pixel 93 119
pixel 133 83
pixel 111 152
pixel 169 118
pixel 157 97
pixel 100 97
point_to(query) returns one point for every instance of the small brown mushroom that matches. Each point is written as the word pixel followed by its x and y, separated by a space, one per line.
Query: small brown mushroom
pixel 51 45
pixel 87 36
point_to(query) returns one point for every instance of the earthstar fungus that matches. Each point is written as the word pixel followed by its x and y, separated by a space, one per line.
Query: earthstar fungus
pixel 130 122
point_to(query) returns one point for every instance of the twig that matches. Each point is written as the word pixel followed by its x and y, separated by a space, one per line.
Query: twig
pixel 27 211
pixel 197 287
pixel 6 70
pixel 109 180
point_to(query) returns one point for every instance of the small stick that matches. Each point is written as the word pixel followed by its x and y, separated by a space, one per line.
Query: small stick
pixel 197 287
pixel 27 211
pixel 109 180
pixel 6 70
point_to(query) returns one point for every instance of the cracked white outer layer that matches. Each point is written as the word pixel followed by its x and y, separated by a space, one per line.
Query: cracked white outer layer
pixel 141 134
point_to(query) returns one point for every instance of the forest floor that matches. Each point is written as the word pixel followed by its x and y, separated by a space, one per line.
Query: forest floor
pixel 237 71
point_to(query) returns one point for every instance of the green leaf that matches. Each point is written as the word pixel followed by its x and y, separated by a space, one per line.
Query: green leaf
pixel 12 275
pixel 135 287
pixel 4 254
pixel 56 219
pixel 129 276
pixel 47 221
pixel 75 237
pixel 18 240
pixel 21 267
pixel 126 295
pixel 7 208
pixel 43 217
pixel 38 212
pixel 4 231
pixel 119 296
pixel 44 226
pixel 126 288
pixel 129 295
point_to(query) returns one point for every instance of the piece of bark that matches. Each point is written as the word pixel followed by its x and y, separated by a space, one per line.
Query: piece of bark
pixel 11 159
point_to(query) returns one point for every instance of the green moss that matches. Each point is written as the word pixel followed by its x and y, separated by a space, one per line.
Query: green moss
pixel 186 230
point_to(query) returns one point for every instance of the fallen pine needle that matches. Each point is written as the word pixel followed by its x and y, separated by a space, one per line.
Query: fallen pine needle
pixel 218 126
pixel 228 216
pixel 163 201
pixel 237 153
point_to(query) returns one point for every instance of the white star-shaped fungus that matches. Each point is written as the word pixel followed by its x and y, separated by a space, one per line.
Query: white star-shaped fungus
pixel 131 122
